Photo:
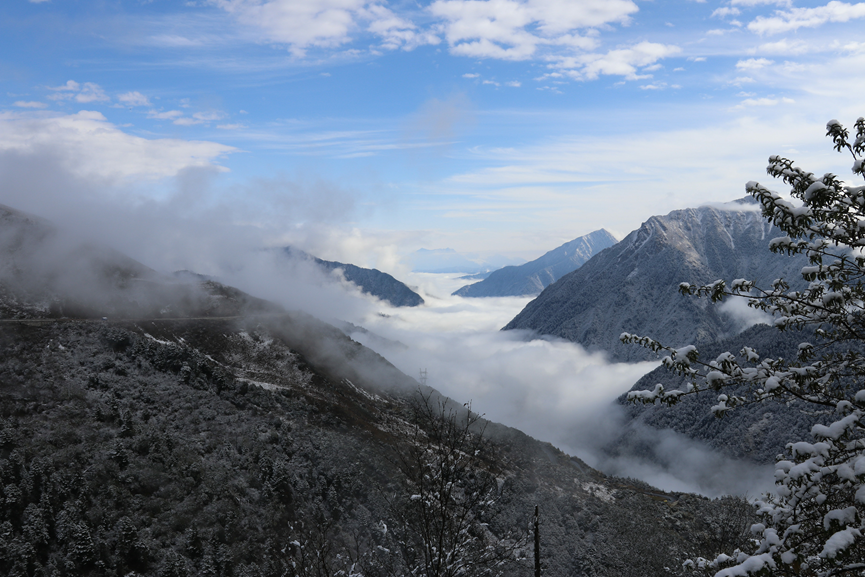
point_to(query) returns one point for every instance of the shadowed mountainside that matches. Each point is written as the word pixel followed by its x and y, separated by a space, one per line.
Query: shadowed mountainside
pixel 370 281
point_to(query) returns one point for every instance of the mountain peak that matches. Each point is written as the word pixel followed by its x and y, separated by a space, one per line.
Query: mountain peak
pixel 633 286
pixel 532 277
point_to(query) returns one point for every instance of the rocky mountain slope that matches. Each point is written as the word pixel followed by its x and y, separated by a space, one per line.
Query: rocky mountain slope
pixel 261 443
pixel 531 278
pixel 370 281
pixel 633 286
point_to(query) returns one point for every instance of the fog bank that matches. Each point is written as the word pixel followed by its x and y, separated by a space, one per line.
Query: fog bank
pixel 549 388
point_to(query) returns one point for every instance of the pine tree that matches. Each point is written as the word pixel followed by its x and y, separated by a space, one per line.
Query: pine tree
pixel 814 524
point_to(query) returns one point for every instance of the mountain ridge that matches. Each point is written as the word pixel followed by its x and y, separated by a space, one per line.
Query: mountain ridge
pixel 179 446
pixel 633 286
pixel 370 281
pixel 534 276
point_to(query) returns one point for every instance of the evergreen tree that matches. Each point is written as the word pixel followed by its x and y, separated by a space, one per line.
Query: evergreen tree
pixel 814 524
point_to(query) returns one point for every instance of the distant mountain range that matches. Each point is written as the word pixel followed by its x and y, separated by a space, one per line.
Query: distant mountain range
pixel 447 260
pixel 532 277
pixel 200 431
pixel 370 281
pixel 633 286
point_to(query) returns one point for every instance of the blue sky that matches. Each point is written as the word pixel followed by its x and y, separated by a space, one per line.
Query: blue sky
pixel 363 130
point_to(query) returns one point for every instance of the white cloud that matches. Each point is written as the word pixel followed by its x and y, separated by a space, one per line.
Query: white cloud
pixel 753 63
pixel 492 82
pixel 514 83
pixel 133 99
pixel 396 32
pixel 29 104
pixel 174 41
pixel 186 121
pixel 167 115
pixel 91 93
pixel 88 145
pixel 325 23
pixel 783 47
pixel 70 86
pixel 209 116
pixel 86 93
pixel 795 18
pixel 230 126
pixel 751 3
pixel 467 358
pixel 764 102
pixel 471 75
pixel 619 62
pixel 513 29
pixel 726 11
pixel 38 1
pixel 198 118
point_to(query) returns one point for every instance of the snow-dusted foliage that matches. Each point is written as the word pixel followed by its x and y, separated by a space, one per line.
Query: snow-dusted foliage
pixel 815 525
pixel 444 526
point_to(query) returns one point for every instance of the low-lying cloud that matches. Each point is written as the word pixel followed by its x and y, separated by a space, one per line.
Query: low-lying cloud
pixel 549 388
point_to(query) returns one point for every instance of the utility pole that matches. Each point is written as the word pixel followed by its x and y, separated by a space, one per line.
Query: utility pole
pixel 537 543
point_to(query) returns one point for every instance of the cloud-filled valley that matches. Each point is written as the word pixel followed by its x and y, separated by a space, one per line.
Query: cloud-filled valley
pixel 191 384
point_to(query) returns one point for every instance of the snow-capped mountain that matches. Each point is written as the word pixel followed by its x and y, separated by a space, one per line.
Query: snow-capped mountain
pixel 532 277
pixel 230 437
pixel 633 286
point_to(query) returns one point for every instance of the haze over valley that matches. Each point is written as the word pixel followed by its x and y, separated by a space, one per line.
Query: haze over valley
pixel 371 288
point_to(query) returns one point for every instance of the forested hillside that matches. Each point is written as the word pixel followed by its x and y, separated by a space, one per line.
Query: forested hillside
pixel 263 442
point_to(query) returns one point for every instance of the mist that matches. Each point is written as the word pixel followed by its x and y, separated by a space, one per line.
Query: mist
pixel 549 388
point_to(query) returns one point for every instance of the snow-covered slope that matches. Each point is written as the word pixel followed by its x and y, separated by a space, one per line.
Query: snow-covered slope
pixel 633 286
pixel 531 278
pixel 196 444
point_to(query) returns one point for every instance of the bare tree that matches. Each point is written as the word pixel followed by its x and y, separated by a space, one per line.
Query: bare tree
pixel 443 523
